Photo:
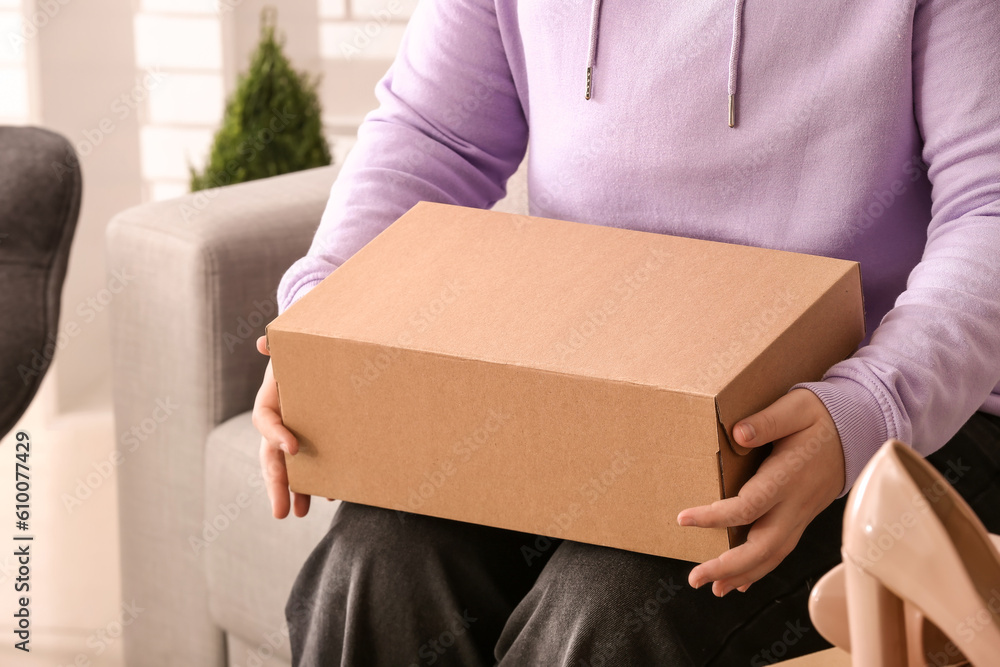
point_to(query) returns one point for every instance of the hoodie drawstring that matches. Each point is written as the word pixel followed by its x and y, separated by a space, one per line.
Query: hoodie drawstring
pixel 734 53
pixel 734 60
pixel 595 26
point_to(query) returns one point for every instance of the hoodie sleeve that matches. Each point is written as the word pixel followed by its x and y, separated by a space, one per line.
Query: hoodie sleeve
pixel 935 357
pixel 449 128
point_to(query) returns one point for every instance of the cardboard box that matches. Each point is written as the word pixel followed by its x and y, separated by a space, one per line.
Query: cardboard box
pixel 565 379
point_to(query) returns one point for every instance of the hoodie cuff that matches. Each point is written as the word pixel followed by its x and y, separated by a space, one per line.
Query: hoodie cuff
pixel 859 418
pixel 289 293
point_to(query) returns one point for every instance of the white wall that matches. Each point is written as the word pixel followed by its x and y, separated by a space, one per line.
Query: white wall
pixel 15 107
pixel 138 87
pixel 84 68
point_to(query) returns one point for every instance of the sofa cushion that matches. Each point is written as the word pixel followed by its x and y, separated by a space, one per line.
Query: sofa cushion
pixel 251 558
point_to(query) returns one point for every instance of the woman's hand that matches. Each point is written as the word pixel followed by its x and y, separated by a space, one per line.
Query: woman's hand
pixel 276 441
pixel 803 474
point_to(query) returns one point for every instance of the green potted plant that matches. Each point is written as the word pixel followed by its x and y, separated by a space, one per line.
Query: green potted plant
pixel 272 123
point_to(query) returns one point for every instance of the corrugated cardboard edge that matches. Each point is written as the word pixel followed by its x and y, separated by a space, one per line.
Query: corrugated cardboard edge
pixel 739 399
pixel 734 471
pixel 771 374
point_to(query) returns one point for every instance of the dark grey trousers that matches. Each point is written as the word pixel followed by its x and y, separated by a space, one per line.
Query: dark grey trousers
pixel 384 588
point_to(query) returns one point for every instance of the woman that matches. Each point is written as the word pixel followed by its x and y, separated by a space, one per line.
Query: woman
pixel 866 131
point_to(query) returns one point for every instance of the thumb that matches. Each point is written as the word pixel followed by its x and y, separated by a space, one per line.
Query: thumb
pixel 787 415
pixel 262 346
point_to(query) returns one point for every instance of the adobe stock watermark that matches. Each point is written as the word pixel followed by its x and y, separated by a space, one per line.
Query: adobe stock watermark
pixel 593 490
pixel 100 640
pixel 130 440
pixel 43 13
pixel 192 206
pixel 87 311
pixel 914 170
pixel 411 158
pixel 121 108
pixel 792 634
pixel 462 451
pixel 363 35
pixel 780 140
pixel 432 650
pixel 226 6
pixel 637 618
pixel 486 86
pixel 881 541
pixel 565 8
pixel 698 41
pixel 756 500
pixel 227 514
pixel 249 327
pixel 548 194
pixel 423 319
pixel 724 360
pixel 987 615
pixel 629 283
pixel 265 650
pixel 966 630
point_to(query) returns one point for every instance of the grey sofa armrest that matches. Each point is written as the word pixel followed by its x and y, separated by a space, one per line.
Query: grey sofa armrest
pixel 197 278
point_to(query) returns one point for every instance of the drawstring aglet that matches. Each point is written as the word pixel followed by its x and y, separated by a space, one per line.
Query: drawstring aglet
pixel 590 75
pixel 732 110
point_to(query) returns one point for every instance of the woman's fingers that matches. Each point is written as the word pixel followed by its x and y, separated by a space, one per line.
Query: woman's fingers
pixel 741 510
pixel 798 479
pixel 272 465
pixel 789 414
pixel 742 580
pixel 769 542
pixel 276 441
pixel 269 423
pixel 267 415
pixel 756 498
pixel 300 502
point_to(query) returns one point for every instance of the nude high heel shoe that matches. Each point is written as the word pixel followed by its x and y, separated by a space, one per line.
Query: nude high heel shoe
pixel 828 612
pixel 916 555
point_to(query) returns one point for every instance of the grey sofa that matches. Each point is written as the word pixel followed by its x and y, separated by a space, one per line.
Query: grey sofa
pixel 201 554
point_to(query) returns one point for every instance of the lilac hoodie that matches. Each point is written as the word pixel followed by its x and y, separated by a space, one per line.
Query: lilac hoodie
pixel 864 129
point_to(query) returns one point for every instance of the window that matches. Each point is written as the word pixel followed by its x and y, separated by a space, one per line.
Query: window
pixel 358 39
pixel 15 37
pixel 179 58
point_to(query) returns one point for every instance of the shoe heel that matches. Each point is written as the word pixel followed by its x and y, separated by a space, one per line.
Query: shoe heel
pixel 876 619
pixel 916 628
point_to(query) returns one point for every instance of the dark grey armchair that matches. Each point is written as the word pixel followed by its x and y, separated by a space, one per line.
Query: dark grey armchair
pixel 40 187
